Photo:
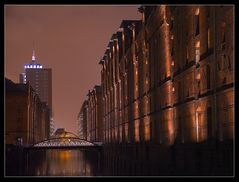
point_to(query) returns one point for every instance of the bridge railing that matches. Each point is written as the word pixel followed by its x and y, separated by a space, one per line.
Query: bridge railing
pixel 65 141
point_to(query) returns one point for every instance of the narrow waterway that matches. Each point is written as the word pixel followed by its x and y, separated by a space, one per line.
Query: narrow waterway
pixel 205 159
pixel 55 162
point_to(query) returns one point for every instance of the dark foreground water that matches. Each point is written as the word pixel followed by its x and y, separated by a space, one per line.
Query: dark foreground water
pixel 53 162
pixel 201 159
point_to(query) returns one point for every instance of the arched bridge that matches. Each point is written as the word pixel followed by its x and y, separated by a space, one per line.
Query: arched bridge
pixel 66 140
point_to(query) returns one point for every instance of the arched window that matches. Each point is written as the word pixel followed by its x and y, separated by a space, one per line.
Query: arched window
pixel 208 38
pixel 196 22
pixel 197 52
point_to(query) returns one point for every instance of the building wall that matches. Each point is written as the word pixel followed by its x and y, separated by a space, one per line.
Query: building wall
pixel 26 116
pixel 41 81
pixel 172 81
pixel 16 118
pixel 90 119
pixel 82 121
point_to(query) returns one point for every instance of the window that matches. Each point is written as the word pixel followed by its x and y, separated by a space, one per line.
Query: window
pixel 197 48
pixel 208 38
pixel 223 33
pixel 223 38
pixel 171 23
pixel 196 21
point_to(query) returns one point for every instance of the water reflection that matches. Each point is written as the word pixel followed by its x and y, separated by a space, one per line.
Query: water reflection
pixel 59 162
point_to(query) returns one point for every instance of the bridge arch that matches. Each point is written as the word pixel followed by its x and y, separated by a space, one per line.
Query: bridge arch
pixel 64 142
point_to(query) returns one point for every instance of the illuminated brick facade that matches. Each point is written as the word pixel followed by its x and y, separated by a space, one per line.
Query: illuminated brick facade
pixel 94 115
pixel 169 78
pixel 168 93
pixel 82 121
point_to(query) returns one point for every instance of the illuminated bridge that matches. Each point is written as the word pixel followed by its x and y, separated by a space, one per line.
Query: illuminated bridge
pixel 65 140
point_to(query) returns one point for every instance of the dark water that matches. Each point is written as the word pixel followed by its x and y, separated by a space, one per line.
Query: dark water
pixel 55 162
pixel 205 159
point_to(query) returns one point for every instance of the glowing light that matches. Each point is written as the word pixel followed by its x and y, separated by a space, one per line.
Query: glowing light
pixel 172 64
pixel 64 155
pixel 197 124
pixel 197 11
pixel 147 129
pixel 123 36
pixel 37 66
pixel 117 47
pixel 136 130
pixel 30 66
pixel 173 89
pixel 25 66
pixel 33 56
pixel 40 66
pixel 198 77
pixel 34 66
pixel 197 46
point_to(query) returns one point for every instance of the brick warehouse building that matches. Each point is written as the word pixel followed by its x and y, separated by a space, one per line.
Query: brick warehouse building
pixel 26 116
pixel 168 92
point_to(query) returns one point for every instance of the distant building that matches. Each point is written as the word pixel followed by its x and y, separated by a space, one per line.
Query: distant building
pixel 25 115
pixel 40 79
pixel 59 131
pixel 94 115
pixel 82 121
pixel 52 127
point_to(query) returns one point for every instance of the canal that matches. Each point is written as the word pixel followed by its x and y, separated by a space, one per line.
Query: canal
pixel 53 162
pixel 200 159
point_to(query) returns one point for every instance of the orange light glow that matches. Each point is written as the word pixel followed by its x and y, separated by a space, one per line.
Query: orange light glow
pixel 167 49
pixel 64 155
pixel 198 77
pixel 197 11
pixel 136 131
pixel 146 129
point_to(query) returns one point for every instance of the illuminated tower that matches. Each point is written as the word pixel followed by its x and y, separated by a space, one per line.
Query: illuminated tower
pixel 40 79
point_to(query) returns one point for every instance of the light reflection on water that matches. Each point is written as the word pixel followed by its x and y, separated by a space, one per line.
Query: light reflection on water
pixel 59 162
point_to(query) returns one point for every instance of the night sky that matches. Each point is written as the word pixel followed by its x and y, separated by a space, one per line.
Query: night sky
pixel 69 39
